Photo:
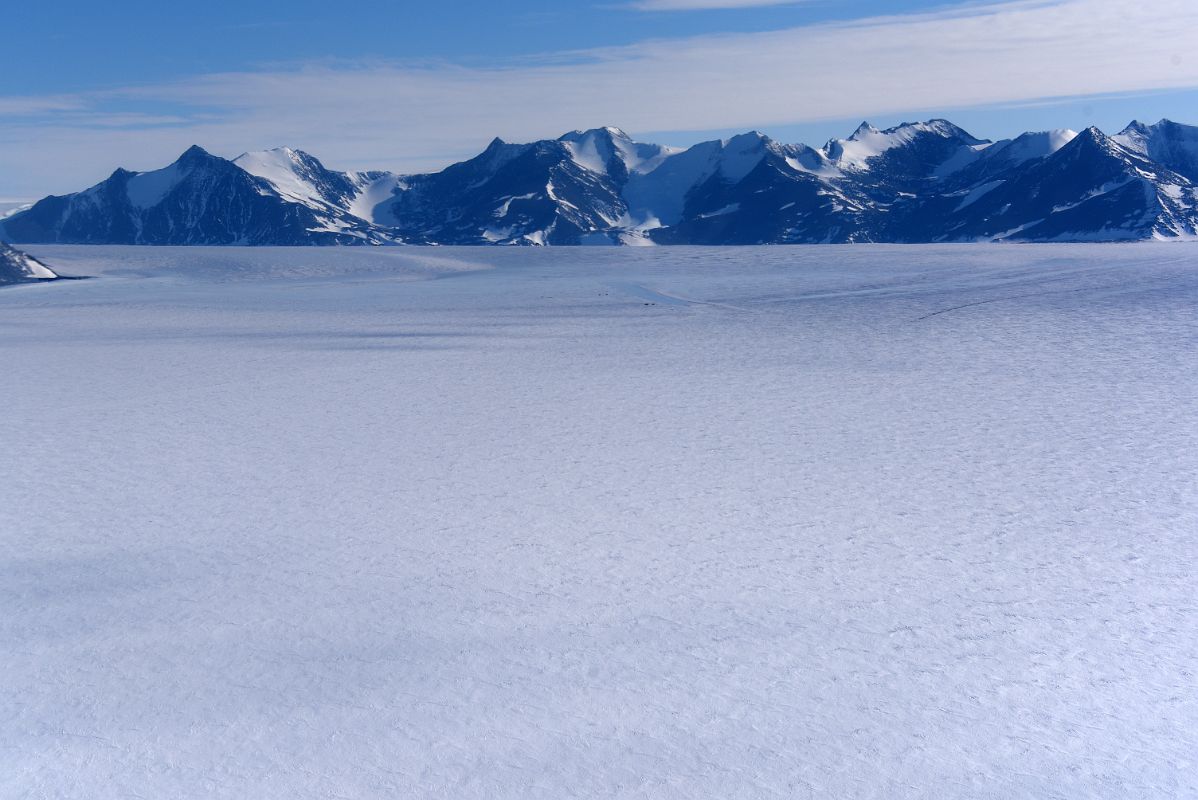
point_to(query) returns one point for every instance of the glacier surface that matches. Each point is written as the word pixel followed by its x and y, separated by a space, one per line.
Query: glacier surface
pixel 865 522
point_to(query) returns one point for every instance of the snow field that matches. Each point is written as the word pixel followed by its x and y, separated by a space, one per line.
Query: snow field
pixel 865 522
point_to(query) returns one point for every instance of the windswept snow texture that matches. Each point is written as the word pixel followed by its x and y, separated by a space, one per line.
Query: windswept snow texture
pixel 868 522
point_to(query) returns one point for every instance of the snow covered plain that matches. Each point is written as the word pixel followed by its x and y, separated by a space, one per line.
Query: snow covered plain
pixel 866 522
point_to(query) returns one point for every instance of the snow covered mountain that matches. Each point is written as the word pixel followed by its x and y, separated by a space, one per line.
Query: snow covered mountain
pixel 202 199
pixel 905 157
pixel 548 192
pixel 18 267
pixel 917 182
pixel 1167 143
pixel 1090 189
pixel 753 190
pixel 342 200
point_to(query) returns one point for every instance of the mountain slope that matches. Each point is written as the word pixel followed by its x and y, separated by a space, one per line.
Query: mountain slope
pixel 563 191
pixel 1168 143
pixel 916 182
pixel 906 156
pixel 1091 189
pixel 18 267
pixel 199 199
pixel 753 190
pixel 301 178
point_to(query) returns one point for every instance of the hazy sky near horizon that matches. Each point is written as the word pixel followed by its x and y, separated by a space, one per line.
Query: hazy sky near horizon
pixel 414 86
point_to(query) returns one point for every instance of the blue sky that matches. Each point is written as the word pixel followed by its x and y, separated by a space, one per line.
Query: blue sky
pixel 413 86
pixel 88 45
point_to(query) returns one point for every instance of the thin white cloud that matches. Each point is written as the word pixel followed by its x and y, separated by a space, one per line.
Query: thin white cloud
pixel 703 5
pixel 17 106
pixel 420 117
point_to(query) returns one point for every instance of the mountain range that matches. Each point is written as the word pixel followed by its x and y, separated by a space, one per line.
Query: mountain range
pixel 917 182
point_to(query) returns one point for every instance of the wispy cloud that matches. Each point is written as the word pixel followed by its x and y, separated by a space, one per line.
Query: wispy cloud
pixel 414 117
pixel 18 106
pixel 701 5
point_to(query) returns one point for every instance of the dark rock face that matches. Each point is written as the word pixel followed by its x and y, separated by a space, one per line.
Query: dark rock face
pixel 1167 143
pixel 511 194
pixel 917 182
pixel 199 200
pixel 1091 189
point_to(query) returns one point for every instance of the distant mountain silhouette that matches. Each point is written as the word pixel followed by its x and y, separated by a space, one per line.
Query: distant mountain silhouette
pixel 917 182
